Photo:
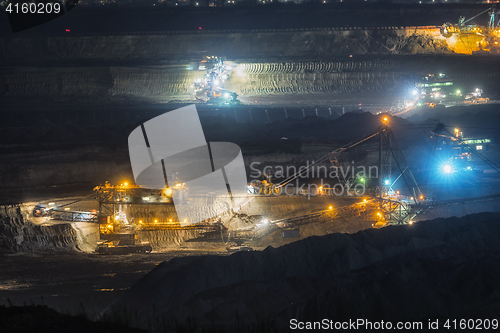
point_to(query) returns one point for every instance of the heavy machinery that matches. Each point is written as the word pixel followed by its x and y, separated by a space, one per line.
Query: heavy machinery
pixel 118 233
pixel 222 97
pixel 211 87
pixel 391 207
pixel 63 213
pixel 469 38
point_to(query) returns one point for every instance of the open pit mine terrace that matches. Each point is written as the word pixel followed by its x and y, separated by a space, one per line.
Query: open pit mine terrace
pixel 124 218
pixel 324 66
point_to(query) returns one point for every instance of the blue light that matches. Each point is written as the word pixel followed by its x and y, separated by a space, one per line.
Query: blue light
pixel 387 182
pixel 447 168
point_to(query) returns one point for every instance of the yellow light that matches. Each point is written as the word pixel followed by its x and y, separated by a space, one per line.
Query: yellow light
pixel 110 226
pixel 421 197
pixel 67 208
pixel 379 214
pixel 156 221
pixel 140 221
pixel 330 208
pixel 364 200
pixel 168 191
pixel 170 220
pixel 385 119
pixel 116 217
pixel 185 220
pixel 125 184
pixel 411 222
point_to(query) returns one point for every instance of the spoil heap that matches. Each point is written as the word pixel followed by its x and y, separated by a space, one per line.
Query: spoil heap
pixel 438 268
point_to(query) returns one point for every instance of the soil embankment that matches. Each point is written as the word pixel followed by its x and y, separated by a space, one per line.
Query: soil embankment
pixel 451 265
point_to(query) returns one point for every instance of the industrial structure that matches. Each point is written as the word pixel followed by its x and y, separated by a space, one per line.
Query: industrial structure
pixel 125 209
pixel 468 38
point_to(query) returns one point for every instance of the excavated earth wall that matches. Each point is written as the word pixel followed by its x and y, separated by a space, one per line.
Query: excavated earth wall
pixel 96 68
pixel 20 232
pixel 234 44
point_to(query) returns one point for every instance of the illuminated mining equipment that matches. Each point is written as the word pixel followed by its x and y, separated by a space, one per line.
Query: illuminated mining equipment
pixel 471 36
pixel 435 88
pixel 386 205
pixel 111 198
pixel 114 202
pixel 453 151
pixel 212 83
pixel 118 235
pixel 289 227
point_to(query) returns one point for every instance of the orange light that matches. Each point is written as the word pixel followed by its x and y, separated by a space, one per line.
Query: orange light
pixel 170 220
pixel 330 208
pixel 156 221
pixel 421 197
pixel 385 119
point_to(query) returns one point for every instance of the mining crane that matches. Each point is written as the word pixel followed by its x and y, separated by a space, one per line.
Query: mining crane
pixel 472 37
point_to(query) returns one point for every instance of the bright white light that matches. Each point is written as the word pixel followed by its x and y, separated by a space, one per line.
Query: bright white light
pixel 226 95
pixel 447 168
pixel 386 182
pixel 414 92
pixel 216 82
pixel 265 221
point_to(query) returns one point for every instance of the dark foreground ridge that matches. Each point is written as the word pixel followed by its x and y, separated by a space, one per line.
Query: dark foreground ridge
pixel 438 269
pixel 39 318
